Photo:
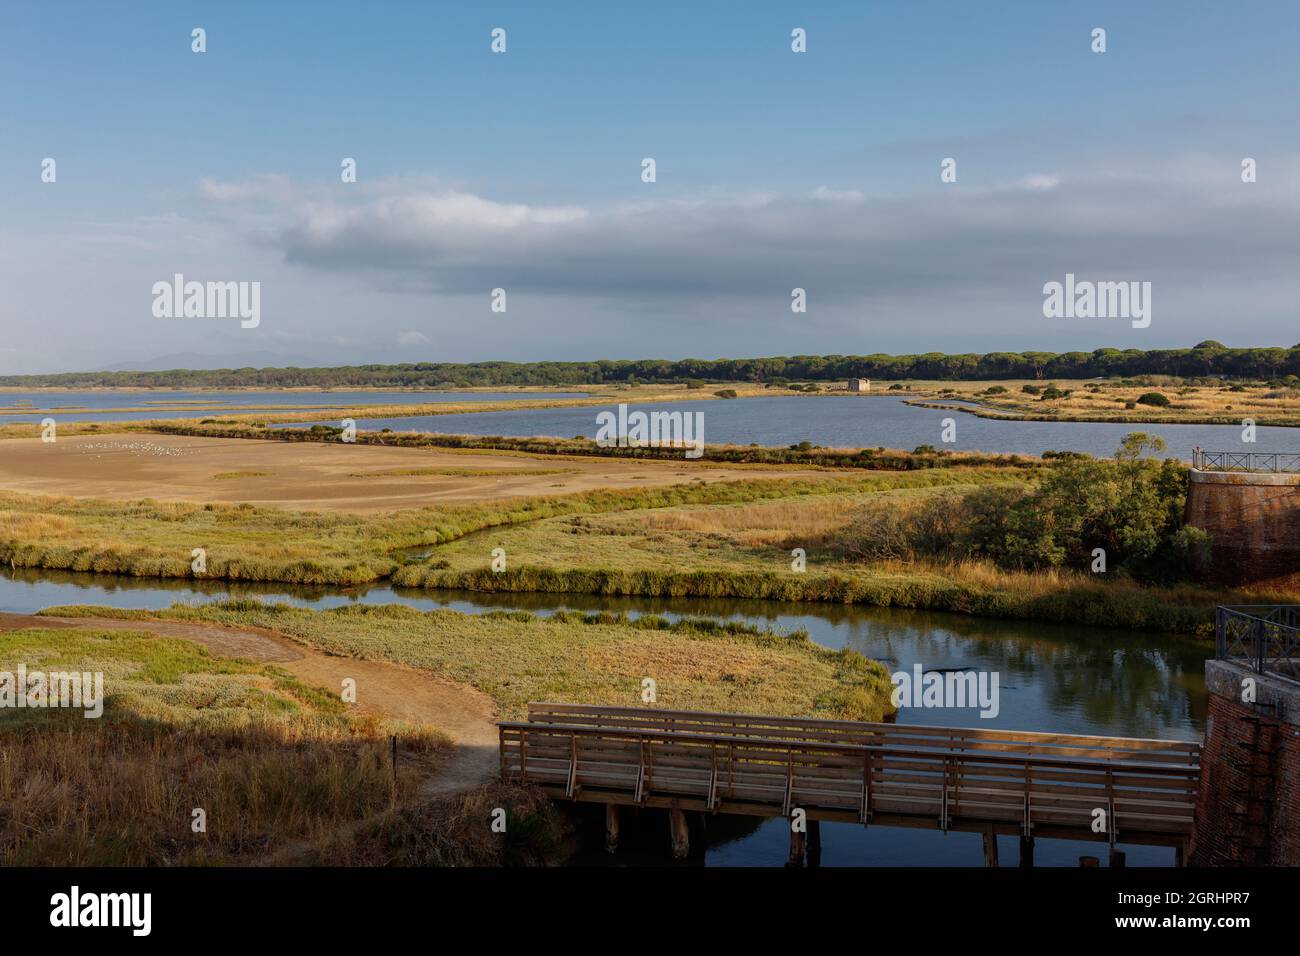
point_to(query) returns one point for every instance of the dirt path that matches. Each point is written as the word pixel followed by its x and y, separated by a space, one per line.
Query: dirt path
pixel 389 690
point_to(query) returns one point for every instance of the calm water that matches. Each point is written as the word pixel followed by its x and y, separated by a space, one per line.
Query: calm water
pixel 853 423
pixel 1052 678
pixel 81 406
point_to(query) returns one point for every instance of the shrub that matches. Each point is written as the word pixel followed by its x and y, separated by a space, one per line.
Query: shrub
pixel 1155 399
pixel 1130 507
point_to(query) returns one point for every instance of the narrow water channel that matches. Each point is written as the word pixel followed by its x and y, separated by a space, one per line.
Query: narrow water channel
pixel 1051 678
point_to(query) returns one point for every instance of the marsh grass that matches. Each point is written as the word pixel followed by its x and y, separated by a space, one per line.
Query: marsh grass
pixel 454 832
pixel 805 454
pixel 744 551
pixel 273 762
pixel 1108 401
pixel 147 538
pixel 516 657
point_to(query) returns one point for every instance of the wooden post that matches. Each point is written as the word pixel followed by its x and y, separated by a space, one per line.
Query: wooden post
pixel 814 843
pixel 1089 861
pixel 394 769
pixel 1117 857
pixel 1026 851
pixel 990 847
pixel 611 827
pixel 798 842
pixel 1180 854
pixel 680 832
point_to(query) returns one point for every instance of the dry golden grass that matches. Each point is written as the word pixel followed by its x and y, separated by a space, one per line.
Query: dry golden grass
pixel 453 832
pixel 19 524
pixel 272 762
pixel 1092 400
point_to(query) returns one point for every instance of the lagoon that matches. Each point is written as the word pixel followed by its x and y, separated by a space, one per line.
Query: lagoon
pixel 849 422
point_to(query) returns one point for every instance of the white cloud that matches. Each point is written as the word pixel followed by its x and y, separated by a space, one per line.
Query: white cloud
pixel 932 246
pixel 265 187
pixel 1039 182
pixel 841 195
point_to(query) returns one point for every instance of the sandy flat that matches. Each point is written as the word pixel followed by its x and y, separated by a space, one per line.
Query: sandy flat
pixel 316 475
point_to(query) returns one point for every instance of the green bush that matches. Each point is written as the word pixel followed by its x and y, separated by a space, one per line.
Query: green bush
pixel 1130 507
pixel 1153 398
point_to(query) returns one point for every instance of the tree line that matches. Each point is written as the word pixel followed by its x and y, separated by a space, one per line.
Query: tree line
pixel 1205 359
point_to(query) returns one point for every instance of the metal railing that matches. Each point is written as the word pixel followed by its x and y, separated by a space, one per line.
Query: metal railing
pixel 1264 637
pixel 1277 463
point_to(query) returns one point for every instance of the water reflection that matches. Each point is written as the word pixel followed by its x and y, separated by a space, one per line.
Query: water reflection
pixel 1069 679
pixel 846 422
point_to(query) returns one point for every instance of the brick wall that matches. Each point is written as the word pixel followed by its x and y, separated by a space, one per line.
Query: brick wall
pixel 1248 808
pixel 1252 521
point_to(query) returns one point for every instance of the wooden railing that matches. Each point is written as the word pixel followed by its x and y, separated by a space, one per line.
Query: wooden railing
pixel 1186 753
pixel 1051 784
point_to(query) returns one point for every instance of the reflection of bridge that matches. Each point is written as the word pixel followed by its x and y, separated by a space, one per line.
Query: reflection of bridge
pixel 993 782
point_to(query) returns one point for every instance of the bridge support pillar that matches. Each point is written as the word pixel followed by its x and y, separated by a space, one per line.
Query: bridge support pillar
pixel 611 827
pixel 1026 851
pixel 1117 858
pixel 1248 807
pixel 798 842
pixel 990 847
pixel 680 833
pixel 814 843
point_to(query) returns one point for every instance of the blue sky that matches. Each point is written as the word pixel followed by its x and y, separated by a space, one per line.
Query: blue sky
pixel 521 171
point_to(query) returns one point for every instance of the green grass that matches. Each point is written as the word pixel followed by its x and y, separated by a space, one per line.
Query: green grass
pixel 744 551
pixel 243 543
pixel 516 657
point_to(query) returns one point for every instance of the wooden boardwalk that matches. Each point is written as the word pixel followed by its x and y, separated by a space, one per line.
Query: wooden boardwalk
pixel 990 781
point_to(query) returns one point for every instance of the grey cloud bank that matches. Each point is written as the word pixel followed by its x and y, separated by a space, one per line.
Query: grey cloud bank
pixel 402 269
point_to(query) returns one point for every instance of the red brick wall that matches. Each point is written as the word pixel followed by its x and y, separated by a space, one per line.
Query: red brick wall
pixel 1252 523
pixel 1236 764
